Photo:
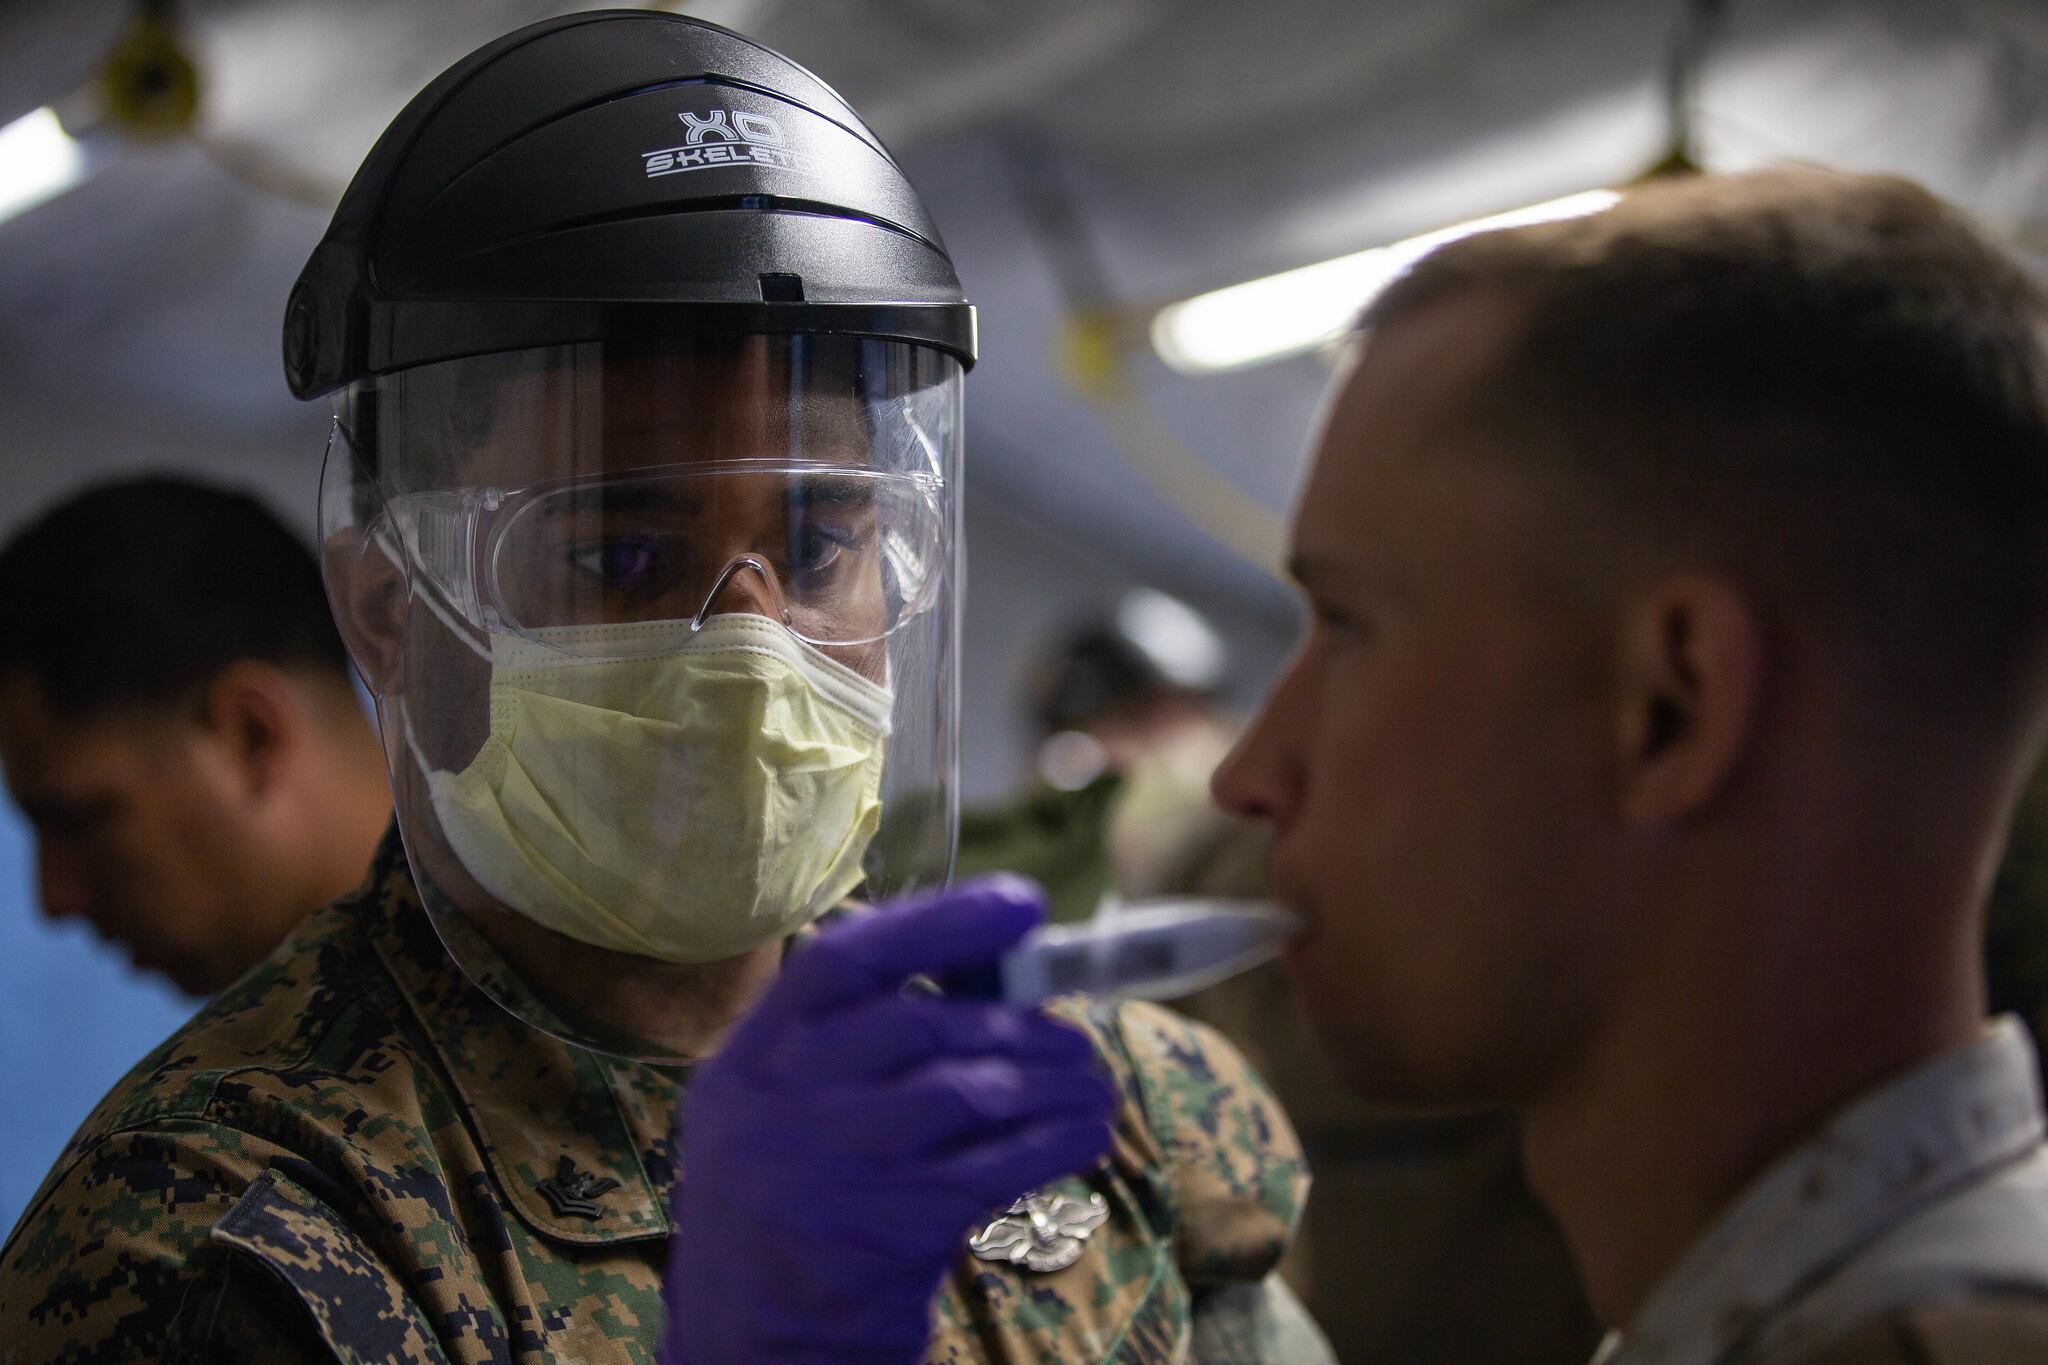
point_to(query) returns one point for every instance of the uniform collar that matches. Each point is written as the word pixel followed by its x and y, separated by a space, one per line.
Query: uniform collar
pixel 1934 1130
pixel 581 1145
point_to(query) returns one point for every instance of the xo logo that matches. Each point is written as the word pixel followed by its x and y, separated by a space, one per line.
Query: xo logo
pixel 743 128
pixel 723 137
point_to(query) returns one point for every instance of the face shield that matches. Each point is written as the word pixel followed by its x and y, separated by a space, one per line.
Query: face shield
pixel 663 637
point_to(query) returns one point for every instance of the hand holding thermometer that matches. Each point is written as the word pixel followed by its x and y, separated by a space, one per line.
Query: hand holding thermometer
pixel 1152 949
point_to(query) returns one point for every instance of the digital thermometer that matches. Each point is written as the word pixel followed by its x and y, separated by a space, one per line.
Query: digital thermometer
pixel 1152 949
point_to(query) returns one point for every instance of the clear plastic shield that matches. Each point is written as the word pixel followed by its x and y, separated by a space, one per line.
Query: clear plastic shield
pixel 662 642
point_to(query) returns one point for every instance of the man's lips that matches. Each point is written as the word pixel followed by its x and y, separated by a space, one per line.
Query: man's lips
pixel 1306 921
pixel 1292 895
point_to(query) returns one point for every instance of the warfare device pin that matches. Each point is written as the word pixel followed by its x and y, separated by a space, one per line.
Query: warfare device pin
pixel 1042 1231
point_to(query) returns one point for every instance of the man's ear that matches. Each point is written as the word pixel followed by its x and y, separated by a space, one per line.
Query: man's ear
pixel 1692 685
pixel 258 720
pixel 366 591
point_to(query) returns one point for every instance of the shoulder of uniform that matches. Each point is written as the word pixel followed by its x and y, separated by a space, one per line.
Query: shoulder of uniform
pixel 189 1241
pixel 1236 1166
pixel 1198 1083
pixel 1986 1331
pixel 317 1015
pixel 166 1183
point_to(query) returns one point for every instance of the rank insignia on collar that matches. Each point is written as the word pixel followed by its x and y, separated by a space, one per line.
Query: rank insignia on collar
pixel 571 1192
pixel 1042 1231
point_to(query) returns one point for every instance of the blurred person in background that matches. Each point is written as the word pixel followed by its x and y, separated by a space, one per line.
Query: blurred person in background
pixel 178 725
pixel 1128 732
pixel 1422 1242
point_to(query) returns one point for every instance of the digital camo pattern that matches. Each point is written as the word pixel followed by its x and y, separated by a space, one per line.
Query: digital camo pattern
pixel 354 1154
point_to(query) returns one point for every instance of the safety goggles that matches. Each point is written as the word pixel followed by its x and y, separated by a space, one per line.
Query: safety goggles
pixel 839 554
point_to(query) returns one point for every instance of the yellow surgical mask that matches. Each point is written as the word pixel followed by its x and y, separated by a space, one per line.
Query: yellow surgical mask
pixel 688 805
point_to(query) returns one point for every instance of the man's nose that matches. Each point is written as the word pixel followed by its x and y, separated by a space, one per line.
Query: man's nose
pixel 1234 785
pixel 747 584
pixel 1260 778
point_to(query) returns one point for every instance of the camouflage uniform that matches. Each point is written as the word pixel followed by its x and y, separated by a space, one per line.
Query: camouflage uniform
pixel 354 1154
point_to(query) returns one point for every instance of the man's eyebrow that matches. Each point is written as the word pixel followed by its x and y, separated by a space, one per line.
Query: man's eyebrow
pixel 1350 577
pixel 1316 570
pixel 618 498
pixel 841 490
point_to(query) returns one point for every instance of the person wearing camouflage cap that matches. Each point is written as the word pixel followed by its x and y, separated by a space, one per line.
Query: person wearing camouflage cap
pixel 639 519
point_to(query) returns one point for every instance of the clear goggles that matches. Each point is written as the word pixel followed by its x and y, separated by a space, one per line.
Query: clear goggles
pixel 838 554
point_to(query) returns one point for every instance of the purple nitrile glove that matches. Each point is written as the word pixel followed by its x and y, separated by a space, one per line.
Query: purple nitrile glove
pixel 839 1149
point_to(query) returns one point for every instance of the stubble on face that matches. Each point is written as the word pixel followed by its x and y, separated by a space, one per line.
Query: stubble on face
pixel 1442 745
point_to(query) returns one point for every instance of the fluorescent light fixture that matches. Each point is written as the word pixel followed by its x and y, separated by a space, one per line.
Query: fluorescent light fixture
pixel 38 161
pixel 1298 310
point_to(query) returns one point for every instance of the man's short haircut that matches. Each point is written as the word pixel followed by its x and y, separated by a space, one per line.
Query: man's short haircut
pixel 138 593
pixel 1826 382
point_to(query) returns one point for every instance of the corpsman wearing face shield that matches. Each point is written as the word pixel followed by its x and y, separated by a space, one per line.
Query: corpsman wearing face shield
pixel 640 518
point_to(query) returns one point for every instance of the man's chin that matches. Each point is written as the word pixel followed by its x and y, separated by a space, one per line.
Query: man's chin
pixel 1388 1082
pixel 1374 1061
pixel 190 978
